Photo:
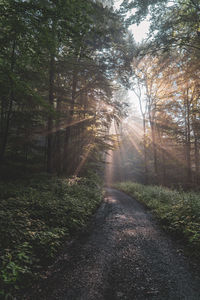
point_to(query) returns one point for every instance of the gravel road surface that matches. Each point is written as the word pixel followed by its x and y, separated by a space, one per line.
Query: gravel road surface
pixel 124 256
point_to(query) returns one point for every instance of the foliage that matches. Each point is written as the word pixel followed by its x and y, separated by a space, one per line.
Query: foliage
pixel 178 211
pixel 36 217
pixel 173 24
pixel 60 61
pixel 167 87
pixel 166 82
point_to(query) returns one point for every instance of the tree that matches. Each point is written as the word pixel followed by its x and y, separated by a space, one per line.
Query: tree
pixel 58 79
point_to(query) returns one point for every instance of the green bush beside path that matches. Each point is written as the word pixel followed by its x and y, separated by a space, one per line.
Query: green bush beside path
pixel 36 218
pixel 178 211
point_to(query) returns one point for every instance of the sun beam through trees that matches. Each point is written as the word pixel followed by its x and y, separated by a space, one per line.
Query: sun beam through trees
pixel 85 105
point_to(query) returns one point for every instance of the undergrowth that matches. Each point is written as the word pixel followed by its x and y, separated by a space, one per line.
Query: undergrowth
pixel 178 211
pixel 35 220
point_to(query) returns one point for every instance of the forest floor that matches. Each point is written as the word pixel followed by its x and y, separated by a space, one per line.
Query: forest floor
pixel 124 255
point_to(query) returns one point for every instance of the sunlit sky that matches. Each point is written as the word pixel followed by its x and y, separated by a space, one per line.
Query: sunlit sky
pixel 139 32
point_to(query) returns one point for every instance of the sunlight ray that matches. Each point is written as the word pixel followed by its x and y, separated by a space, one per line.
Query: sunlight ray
pixel 134 144
pixel 84 159
pixel 109 158
pixel 64 126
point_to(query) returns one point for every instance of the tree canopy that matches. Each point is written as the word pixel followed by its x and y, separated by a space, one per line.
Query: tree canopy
pixel 60 62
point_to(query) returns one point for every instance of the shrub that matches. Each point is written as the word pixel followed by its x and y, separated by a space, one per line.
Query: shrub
pixel 35 219
pixel 178 211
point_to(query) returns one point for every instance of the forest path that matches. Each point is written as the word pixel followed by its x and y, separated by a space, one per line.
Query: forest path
pixel 125 256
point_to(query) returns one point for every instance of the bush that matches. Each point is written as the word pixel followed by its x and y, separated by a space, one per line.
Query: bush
pixel 178 211
pixel 35 218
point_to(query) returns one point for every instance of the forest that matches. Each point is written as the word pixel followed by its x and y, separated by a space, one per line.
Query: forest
pixel 67 126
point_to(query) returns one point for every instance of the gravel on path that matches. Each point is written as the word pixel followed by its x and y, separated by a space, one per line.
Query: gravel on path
pixel 125 256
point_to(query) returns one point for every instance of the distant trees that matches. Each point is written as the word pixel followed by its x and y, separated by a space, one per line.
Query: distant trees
pixel 167 71
pixel 169 104
pixel 58 60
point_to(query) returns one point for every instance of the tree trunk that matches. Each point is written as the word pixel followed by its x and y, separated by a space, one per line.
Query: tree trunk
pixel 188 140
pixel 58 139
pixel 196 154
pixel 145 150
pixel 154 148
pixel 66 162
pixel 50 118
pixel 5 130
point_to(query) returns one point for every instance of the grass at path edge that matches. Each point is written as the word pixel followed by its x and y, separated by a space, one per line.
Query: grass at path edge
pixel 177 211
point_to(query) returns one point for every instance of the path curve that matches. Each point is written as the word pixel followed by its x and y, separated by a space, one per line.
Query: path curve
pixel 125 256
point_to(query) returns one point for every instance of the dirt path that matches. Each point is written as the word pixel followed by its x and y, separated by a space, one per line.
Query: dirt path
pixel 125 256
